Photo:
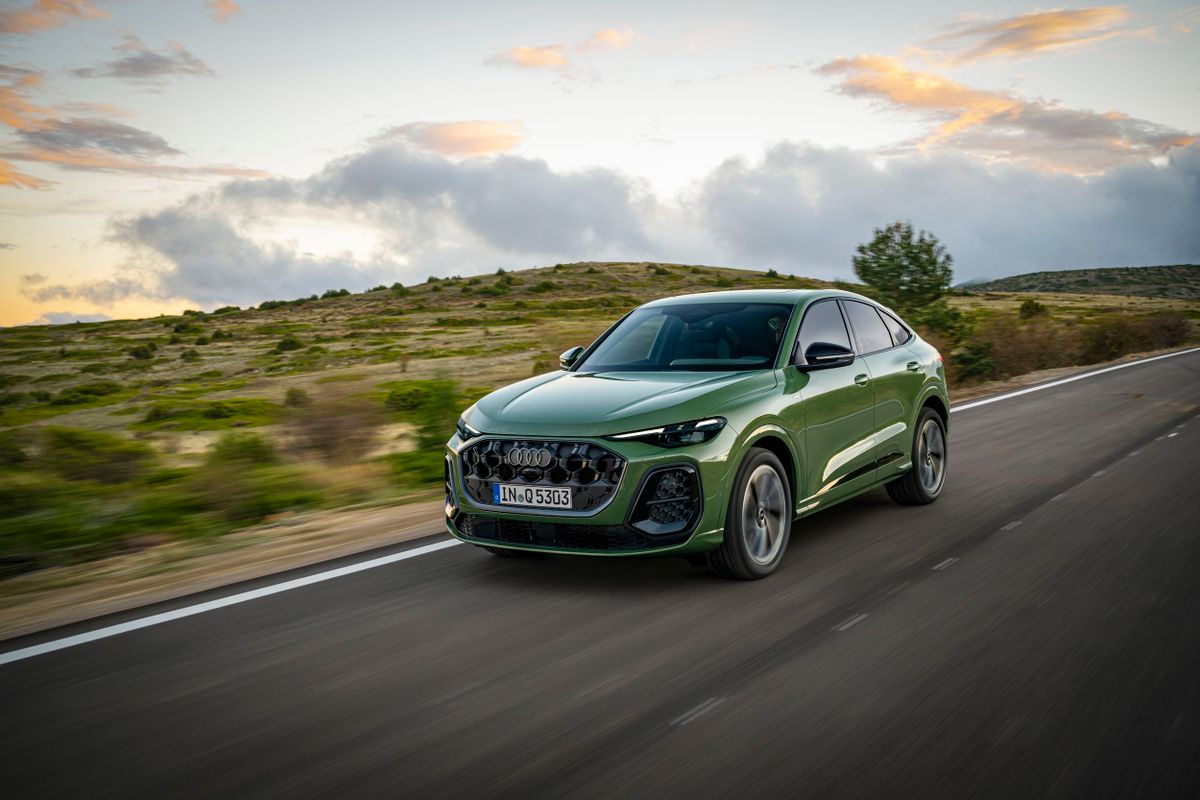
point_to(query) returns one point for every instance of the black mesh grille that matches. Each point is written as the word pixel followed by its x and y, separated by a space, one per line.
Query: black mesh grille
pixel 551 534
pixel 669 501
pixel 589 470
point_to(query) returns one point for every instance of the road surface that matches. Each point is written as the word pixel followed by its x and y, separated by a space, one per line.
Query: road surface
pixel 1036 632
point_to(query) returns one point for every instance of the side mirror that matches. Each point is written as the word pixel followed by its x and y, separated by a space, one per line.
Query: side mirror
pixel 824 355
pixel 569 357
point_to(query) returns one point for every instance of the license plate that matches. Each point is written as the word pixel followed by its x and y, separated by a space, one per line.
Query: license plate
pixel 514 494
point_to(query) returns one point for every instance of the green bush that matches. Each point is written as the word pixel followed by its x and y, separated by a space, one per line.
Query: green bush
pixel 201 341
pixel 550 286
pixel 417 467
pixel 85 393
pixel 329 293
pixel 243 448
pixel 141 352
pixel 406 398
pixel 158 412
pixel 93 456
pixel 221 335
pixel 288 342
pixel 1031 308
pixel 189 355
pixel 227 309
pixel 295 397
pixel 217 410
pixel 12 449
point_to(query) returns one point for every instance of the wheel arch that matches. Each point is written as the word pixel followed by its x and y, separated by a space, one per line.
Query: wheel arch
pixel 775 440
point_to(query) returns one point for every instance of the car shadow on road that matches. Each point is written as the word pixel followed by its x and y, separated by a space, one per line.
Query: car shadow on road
pixel 652 575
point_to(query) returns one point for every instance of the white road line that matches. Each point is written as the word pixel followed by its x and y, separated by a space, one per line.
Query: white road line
pixel 1098 474
pixel 700 710
pixel 945 563
pixel 222 602
pixel 1041 386
pixel 1172 435
pixel 1011 525
pixel 242 597
pixel 850 623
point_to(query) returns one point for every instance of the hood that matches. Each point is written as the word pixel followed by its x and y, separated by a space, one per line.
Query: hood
pixel 592 404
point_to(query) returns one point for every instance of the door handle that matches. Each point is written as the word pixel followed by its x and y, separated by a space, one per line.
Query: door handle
pixel 862 380
pixel 913 366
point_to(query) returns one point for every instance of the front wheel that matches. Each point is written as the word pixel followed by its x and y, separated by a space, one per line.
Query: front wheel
pixel 923 483
pixel 758 522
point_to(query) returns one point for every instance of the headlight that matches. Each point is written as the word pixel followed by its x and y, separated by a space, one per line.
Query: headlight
pixel 465 431
pixel 677 435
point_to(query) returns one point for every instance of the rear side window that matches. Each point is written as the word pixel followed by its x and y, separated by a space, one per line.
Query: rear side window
pixel 900 334
pixel 869 329
pixel 823 323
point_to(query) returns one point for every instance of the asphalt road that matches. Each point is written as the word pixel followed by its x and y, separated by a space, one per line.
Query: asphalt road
pixel 1036 632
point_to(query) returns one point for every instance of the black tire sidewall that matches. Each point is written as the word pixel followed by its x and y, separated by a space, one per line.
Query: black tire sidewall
pixel 735 541
pixel 917 485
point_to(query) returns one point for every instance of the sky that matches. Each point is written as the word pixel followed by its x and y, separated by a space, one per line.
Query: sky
pixel 157 155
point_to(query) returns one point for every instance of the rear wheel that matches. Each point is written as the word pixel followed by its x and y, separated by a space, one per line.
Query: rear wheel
pixel 758 522
pixel 923 483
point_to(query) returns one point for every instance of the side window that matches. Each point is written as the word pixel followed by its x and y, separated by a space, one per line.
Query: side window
pixel 900 334
pixel 823 323
pixel 869 329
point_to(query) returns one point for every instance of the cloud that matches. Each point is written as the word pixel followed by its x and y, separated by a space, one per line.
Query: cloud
pixel 67 317
pixel 1036 33
pixel 11 246
pixel 222 10
pixel 608 39
pixel 95 143
pixel 140 64
pixel 1002 125
pixel 430 214
pixel 803 208
pixel 559 57
pixel 44 14
pixel 469 138
pixel 550 56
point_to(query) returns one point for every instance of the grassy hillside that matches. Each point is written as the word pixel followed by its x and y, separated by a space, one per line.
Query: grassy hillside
pixel 127 433
pixel 1181 281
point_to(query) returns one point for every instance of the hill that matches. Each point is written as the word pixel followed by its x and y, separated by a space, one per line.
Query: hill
pixel 1180 281
pixel 123 434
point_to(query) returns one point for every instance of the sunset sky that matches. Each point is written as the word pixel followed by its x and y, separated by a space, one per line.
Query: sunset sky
pixel 156 156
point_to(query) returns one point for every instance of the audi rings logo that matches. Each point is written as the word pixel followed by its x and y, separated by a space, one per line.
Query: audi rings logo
pixel 529 457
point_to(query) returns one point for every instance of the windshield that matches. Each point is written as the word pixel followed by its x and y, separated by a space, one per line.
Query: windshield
pixel 714 337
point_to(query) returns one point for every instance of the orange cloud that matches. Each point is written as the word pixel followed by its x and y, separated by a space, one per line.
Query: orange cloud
pixel 222 10
pixel 11 176
pixel 608 39
pixel 469 138
pixel 1002 125
pixel 1039 32
pixel 557 57
pixel 15 109
pixel 550 56
pixel 45 14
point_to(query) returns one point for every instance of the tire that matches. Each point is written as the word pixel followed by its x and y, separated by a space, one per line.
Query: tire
pixel 923 484
pixel 758 522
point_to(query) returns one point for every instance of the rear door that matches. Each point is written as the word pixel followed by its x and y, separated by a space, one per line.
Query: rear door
pixel 895 378
pixel 834 418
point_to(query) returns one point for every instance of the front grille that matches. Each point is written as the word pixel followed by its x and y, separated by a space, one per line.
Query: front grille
pixel 669 501
pixel 553 534
pixel 591 472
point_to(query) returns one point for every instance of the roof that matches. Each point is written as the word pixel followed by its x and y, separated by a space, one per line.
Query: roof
pixel 791 296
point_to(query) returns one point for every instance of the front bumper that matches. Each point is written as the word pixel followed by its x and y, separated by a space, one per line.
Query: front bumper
pixel 621 526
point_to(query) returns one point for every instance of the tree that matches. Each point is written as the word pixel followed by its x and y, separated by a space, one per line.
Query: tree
pixel 905 271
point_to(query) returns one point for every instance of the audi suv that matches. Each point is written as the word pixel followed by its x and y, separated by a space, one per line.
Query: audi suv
pixel 704 426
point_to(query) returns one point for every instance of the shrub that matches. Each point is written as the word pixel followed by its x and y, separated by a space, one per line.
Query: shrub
pixel 189 355
pixel 85 393
pixel 495 290
pixel 723 282
pixel 592 271
pixel 338 429
pixel 400 290
pixel 186 327
pixel 12 449
pixel 217 410
pixel 437 414
pixel 328 293
pixel 379 288
pixel 1031 308
pixel 288 342
pixel 417 467
pixel 93 456
pixel 158 412
pixel 141 352
pixel 243 448
pixel 1167 330
pixel 174 339
pixel 227 309
pixel 432 279
pixel 201 341
pixel 771 273
pixel 295 397
pixel 550 286
pixel 406 398
pixel 221 335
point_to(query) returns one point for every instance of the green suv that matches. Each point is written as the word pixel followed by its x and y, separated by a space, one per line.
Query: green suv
pixel 702 426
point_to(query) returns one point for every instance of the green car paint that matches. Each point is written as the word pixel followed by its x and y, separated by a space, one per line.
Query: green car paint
pixel 837 431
